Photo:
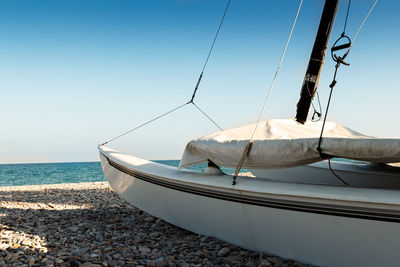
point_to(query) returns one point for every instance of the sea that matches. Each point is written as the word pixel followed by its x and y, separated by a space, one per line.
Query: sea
pixel 57 173
pixel 70 172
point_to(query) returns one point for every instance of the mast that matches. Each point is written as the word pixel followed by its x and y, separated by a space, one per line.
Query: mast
pixel 311 78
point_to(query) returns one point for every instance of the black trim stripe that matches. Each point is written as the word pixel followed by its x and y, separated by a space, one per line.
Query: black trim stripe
pixel 317 208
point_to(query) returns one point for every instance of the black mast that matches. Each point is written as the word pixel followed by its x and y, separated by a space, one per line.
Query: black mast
pixel 311 78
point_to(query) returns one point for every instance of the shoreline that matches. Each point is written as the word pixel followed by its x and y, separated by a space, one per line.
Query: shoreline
pixel 87 224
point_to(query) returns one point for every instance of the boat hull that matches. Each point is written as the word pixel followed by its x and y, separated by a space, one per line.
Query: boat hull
pixel 313 227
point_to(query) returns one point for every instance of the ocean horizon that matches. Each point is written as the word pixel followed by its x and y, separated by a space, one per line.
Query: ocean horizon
pixel 15 174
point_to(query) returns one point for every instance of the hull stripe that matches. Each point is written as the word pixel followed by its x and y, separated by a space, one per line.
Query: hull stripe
pixel 317 208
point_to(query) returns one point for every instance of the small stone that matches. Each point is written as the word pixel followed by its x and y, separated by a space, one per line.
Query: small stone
pixel 4 246
pixel 149 219
pixel 76 252
pixel 233 259
pixel 223 252
pixel 31 260
pixel 109 258
pixel 116 256
pixel 99 237
pixel 26 242
pixel 94 255
pixel 144 250
pixel 73 228
pixel 43 250
pixel 204 239
pixel 58 261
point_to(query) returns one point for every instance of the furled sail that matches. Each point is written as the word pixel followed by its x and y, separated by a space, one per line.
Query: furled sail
pixel 286 143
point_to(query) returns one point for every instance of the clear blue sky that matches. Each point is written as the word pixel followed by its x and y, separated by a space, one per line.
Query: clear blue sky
pixel 74 73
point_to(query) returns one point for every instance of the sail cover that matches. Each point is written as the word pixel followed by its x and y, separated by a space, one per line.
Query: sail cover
pixel 286 143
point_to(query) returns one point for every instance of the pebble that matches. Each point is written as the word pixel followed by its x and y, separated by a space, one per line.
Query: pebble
pixel 73 228
pixel 223 252
pixel 31 260
pixel 88 225
pixel 233 259
pixel 144 250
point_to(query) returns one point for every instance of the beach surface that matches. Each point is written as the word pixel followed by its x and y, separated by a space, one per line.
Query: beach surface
pixel 87 224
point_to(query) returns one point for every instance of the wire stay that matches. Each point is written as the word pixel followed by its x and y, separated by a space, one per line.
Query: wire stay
pixel 338 60
pixel 141 125
pixel 210 51
pixel 195 89
pixel 219 127
pixel 247 149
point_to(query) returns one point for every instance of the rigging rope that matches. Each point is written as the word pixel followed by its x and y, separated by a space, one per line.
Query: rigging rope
pixel 339 60
pixel 349 45
pixel 334 173
pixel 347 16
pixel 209 52
pixel 194 92
pixel 277 71
pixel 332 85
pixel 219 127
pixel 248 146
pixel 317 115
pixel 140 126
pixel 361 25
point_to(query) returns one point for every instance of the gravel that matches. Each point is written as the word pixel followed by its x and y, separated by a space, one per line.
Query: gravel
pixel 87 224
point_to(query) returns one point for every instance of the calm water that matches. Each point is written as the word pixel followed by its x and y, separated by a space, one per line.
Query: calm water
pixel 55 173
pixel 71 172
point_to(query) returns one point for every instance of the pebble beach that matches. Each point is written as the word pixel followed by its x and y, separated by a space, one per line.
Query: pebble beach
pixel 87 224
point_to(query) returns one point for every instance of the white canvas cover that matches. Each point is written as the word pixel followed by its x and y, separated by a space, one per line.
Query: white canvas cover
pixel 286 143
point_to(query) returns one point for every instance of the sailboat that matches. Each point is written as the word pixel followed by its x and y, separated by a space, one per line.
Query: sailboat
pixel 298 203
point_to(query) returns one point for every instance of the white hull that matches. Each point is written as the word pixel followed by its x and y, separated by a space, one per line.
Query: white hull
pixel 318 224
